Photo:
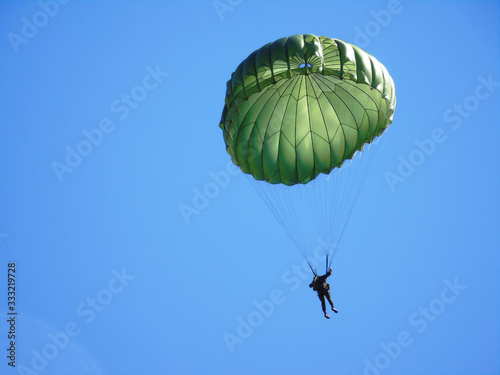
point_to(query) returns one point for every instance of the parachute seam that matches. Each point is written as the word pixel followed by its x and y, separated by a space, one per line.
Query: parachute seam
pixel 336 114
pixel 386 93
pixel 310 128
pixel 279 131
pixel 265 133
pixel 325 125
pixel 254 127
pixel 375 104
pixel 387 82
pixel 353 84
pixel 285 137
pixel 295 144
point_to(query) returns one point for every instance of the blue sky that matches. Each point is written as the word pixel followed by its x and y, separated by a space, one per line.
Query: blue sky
pixel 110 116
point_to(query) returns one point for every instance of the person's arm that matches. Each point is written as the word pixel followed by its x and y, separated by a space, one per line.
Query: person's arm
pixel 312 283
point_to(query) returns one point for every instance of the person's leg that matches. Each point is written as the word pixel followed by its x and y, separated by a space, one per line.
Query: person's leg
pixel 323 304
pixel 329 297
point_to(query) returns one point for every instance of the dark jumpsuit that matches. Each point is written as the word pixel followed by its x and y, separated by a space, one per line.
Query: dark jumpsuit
pixel 320 285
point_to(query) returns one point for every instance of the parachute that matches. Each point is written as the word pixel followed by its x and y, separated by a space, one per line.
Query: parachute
pixel 295 111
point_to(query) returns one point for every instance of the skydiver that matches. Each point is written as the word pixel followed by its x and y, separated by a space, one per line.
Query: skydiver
pixel 320 285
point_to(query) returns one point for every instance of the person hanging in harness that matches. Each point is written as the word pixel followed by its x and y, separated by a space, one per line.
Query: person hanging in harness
pixel 320 285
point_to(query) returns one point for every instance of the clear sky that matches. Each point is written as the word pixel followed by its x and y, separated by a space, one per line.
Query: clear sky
pixel 110 128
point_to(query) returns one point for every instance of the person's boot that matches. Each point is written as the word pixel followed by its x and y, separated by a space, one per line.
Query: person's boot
pixel 335 310
pixel 326 316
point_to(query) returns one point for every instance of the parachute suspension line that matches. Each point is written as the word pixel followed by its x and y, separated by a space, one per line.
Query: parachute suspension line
pixel 317 207
pixel 350 112
pixel 337 198
pixel 327 199
pixel 330 264
pixel 282 196
pixel 329 195
pixel 368 155
pixel 362 176
pixel 347 183
pixel 293 217
pixel 278 200
pixel 338 192
pixel 312 269
pixel 343 199
pixel 272 205
pixel 355 179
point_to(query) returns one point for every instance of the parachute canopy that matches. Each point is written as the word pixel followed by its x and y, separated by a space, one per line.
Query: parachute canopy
pixel 302 105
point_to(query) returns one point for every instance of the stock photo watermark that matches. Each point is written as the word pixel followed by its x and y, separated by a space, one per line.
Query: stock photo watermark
pixel 418 321
pixel 262 310
pixel 12 313
pixel 380 20
pixel 122 107
pixel 202 197
pixel 224 6
pixel 87 311
pixel 455 116
pixel 31 26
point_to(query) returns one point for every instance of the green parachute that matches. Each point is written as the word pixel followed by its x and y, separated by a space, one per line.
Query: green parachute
pixel 300 107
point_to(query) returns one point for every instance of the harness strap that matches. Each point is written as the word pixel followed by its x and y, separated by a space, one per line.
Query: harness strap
pixel 313 270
